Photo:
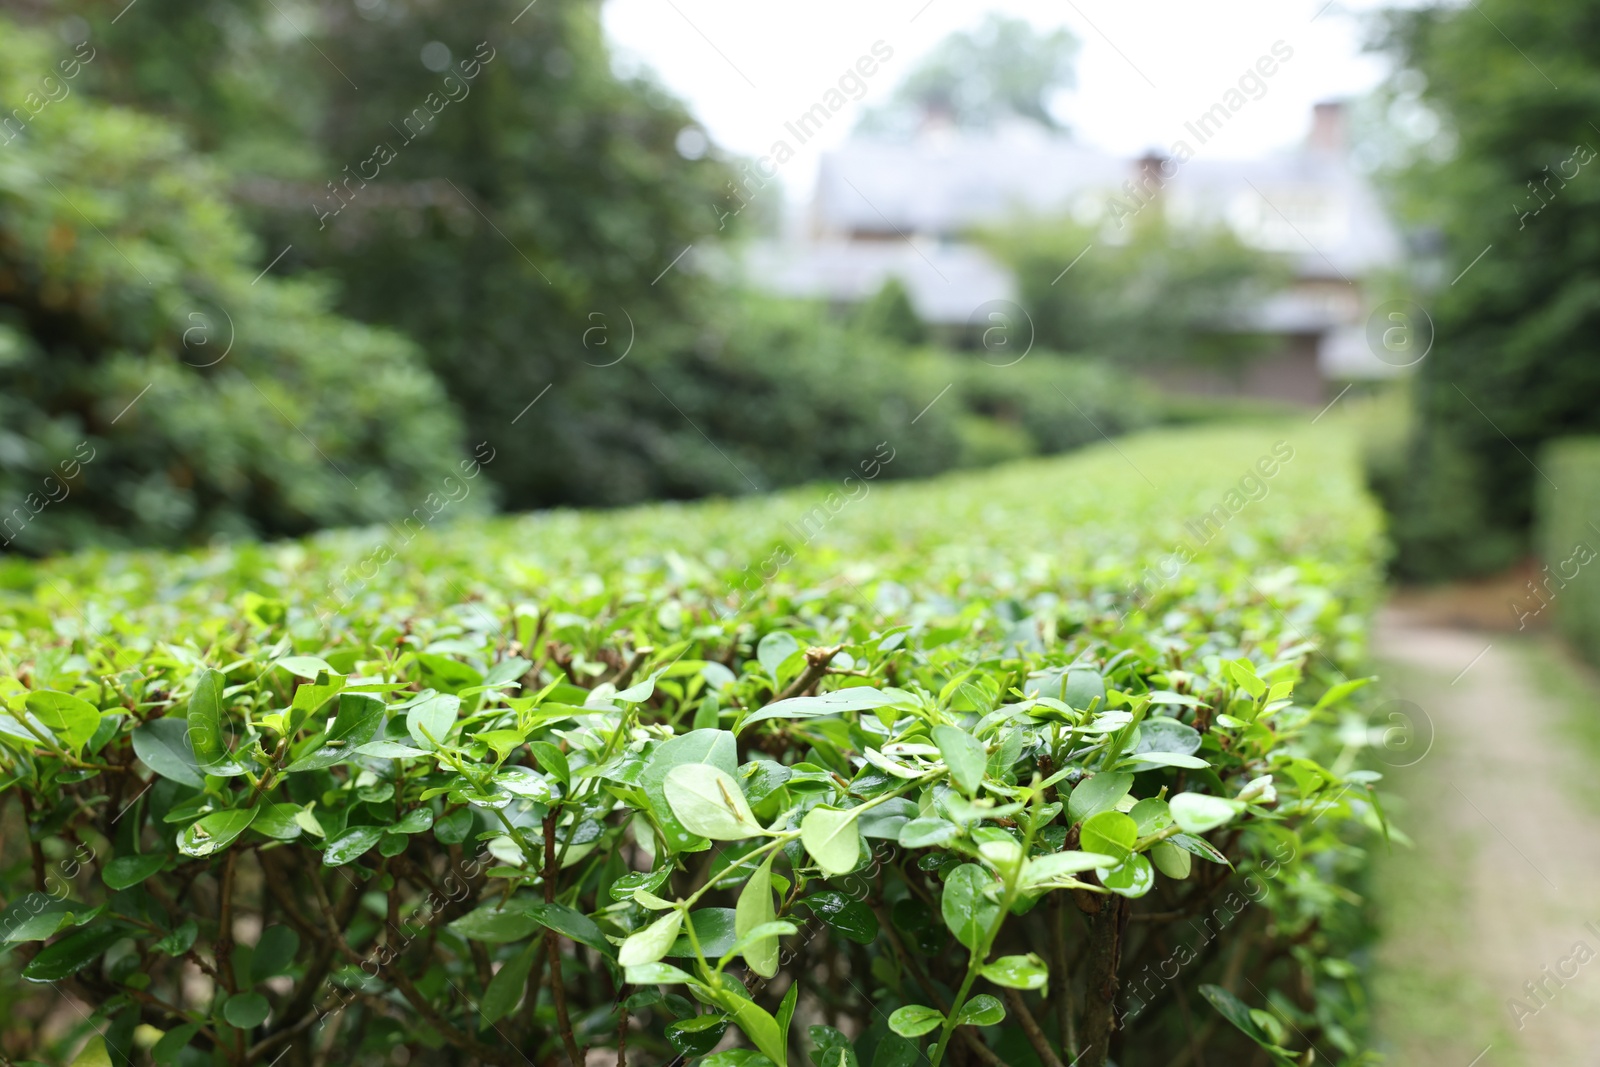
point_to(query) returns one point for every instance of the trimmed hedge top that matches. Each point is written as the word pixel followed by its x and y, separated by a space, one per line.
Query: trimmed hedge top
pixel 897 761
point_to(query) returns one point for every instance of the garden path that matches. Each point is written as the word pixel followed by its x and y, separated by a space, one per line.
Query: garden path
pixel 1490 955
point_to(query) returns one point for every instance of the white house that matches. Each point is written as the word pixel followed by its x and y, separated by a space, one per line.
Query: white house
pixel 900 209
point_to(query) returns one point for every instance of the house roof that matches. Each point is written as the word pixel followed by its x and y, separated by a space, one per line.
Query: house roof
pixel 1308 203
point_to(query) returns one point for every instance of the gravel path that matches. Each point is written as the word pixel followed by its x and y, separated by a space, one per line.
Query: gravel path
pixel 1490 953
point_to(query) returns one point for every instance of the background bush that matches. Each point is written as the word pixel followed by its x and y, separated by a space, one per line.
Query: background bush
pixel 1568 544
pixel 133 330
pixel 1512 363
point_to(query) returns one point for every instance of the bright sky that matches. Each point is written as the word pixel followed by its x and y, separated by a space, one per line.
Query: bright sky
pixel 745 67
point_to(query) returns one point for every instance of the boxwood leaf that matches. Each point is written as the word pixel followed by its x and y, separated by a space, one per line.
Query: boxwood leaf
pixel 914 1020
pixel 504 990
pixel 1017 972
pixel 125 871
pixel 72 719
pixel 753 909
pixel 64 958
pixel 1197 813
pixel 1109 833
pixel 966 907
pixel 832 839
pixel 215 832
pixel 981 1010
pixel 651 943
pixel 963 754
pixel 709 802
pixel 351 845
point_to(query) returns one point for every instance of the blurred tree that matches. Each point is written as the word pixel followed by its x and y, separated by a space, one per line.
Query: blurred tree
pixel 975 80
pixel 888 314
pixel 152 387
pixel 1504 167
pixel 1150 292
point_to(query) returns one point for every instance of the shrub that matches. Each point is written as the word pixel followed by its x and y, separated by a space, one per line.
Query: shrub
pixel 650 779
pixel 1494 175
pixel 152 387
pixel 1568 544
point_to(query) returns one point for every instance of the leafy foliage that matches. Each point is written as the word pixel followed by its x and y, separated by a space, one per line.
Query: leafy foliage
pixel 151 387
pixel 544 784
pixel 1003 70
pixel 1508 176
pixel 1145 290
pixel 1568 546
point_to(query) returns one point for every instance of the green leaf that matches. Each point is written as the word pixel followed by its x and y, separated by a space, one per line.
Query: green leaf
pixel 963 754
pixel 1244 674
pixel 832 839
pixel 709 802
pixel 894 1051
pixel 94 1054
pixel 1110 833
pixel 278 821
pixel 505 989
pixel 716 748
pixel 357 723
pixel 215 832
pixel 246 1010
pixel 753 909
pixel 657 974
pixel 163 746
pixel 926 833
pixel 651 943
pixel 275 952
pixel 495 924
pixel 1131 878
pixel 713 929
pixel 1059 866
pixel 573 925
pixel 774 649
pixel 552 760
pixel 433 716
pixel 205 718
pixel 64 958
pixel 1237 1012
pixel 966 907
pixel 698 1034
pixel 1197 813
pixel 72 719
pixel 1199 846
pixel 1170 860
pixel 850 917
pixel 758 1025
pixel 914 1020
pixel 125 871
pixel 351 845
pixel 416 821
pixel 1100 793
pixel 1018 972
pixel 177 1039
pixel 1084 686
pixel 981 1010
pixel 33 919
pixel 855 698
pixel 624 888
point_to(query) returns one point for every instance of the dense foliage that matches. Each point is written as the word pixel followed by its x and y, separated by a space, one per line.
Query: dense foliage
pixel 152 388
pixel 1507 175
pixel 860 772
pixel 1001 71
pixel 1568 545
pixel 1141 289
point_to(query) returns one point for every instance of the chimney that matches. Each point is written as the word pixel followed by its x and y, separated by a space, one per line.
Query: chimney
pixel 1328 128
pixel 1153 171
